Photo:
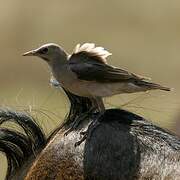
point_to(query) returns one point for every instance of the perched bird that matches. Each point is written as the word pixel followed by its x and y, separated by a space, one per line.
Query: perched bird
pixel 86 73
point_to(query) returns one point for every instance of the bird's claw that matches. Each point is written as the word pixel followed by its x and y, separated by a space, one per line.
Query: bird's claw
pixel 88 133
pixel 82 133
pixel 77 121
pixel 81 140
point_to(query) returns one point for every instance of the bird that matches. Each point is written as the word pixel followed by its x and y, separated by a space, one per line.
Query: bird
pixel 85 72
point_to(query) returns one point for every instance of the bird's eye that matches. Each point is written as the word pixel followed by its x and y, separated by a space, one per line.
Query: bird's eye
pixel 44 50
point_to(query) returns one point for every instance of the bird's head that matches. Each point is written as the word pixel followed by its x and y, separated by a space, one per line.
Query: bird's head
pixel 49 52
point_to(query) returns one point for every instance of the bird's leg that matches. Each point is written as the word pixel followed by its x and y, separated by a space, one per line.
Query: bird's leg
pixel 98 103
pixel 79 119
pixel 81 140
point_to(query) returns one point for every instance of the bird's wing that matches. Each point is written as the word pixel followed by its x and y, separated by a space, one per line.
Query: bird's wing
pixel 89 64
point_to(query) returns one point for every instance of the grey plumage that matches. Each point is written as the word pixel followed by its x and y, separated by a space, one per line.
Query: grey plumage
pixel 90 68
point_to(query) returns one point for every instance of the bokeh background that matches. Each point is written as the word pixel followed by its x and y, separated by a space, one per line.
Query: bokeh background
pixel 143 36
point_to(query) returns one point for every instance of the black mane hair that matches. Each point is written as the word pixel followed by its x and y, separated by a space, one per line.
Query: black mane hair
pixel 19 147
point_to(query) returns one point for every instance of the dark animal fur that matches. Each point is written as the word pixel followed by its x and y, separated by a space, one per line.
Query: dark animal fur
pixel 20 149
pixel 123 147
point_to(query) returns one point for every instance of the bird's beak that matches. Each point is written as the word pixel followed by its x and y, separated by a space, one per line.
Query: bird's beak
pixel 30 53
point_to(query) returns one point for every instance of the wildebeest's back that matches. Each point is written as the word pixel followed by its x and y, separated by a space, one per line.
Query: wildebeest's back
pixel 123 147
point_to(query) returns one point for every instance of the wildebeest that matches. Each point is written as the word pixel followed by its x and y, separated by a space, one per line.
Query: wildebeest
pixel 123 146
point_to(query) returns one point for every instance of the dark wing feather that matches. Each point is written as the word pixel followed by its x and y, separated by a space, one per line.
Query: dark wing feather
pixel 90 68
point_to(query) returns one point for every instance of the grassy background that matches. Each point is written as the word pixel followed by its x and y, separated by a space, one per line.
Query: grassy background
pixel 144 37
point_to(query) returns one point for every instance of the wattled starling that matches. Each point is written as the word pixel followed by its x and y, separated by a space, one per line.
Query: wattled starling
pixel 86 73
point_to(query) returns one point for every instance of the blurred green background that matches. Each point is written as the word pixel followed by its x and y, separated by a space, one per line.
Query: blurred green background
pixel 143 36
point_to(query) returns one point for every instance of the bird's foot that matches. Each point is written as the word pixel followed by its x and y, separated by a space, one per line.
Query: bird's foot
pixel 82 139
pixel 88 133
pixel 73 127
pixel 78 120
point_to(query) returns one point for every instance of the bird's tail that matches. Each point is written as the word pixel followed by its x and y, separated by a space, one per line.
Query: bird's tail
pixel 149 86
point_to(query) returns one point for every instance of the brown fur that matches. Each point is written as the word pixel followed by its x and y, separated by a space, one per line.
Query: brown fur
pixel 57 161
